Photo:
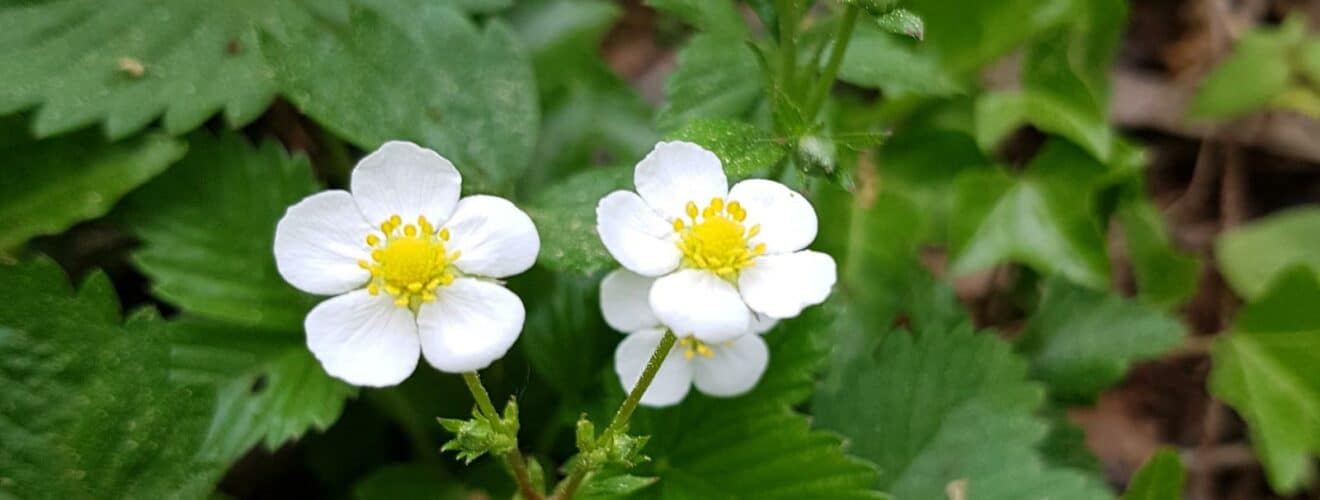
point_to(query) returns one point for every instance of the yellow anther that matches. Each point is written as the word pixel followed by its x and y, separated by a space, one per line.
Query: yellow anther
pixel 735 207
pixel 428 297
pixel 386 227
pixel 718 242
pixel 401 301
pixel 396 221
pixel 678 225
pixel 392 290
pixel 739 215
pixel 760 249
pixel 409 262
pixel 717 204
pixel 414 287
pixel 373 289
pixel 692 209
pixel 377 255
pixel 410 230
pixel 454 256
pixel 364 264
pixel 372 240
pixel 444 234
pixel 755 230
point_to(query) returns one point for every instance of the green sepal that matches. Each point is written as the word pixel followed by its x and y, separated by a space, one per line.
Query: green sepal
pixel 479 435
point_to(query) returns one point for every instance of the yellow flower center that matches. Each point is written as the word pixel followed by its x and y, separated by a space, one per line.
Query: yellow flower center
pixel 693 347
pixel 410 263
pixel 715 238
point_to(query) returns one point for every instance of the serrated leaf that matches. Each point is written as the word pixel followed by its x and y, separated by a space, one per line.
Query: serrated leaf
pixel 1166 276
pixel 570 208
pixel 999 114
pixel 1081 341
pixel 52 184
pixel 1161 478
pixel 1268 369
pixel 473 101
pixel 413 481
pixel 743 148
pixel 1253 75
pixel 717 77
pixel 880 60
pixel 1252 256
pixel 709 16
pixel 270 390
pixel 942 406
pixel 753 446
pixel 90 410
pixel 1042 219
pixel 80 63
pixel 208 226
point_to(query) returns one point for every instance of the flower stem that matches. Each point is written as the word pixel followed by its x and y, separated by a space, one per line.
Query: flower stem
pixel 513 458
pixel 817 97
pixel 621 417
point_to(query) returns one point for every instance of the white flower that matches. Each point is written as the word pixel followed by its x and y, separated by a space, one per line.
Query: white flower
pixel 723 369
pixel 413 269
pixel 720 254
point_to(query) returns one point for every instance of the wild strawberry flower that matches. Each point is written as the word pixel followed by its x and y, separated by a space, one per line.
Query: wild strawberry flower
pixel 720 255
pixel 723 369
pixel 413 268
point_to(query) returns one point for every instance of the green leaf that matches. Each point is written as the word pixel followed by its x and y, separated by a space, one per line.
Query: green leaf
pixel 1253 255
pixel 941 406
pixel 208 227
pixel 1161 478
pixel 1166 276
pixel 1072 63
pixel 270 390
pixel 743 148
pixel 710 16
pixel 569 207
pixel 1268 369
pixel 902 22
pixel 414 481
pixel 968 35
pixel 473 100
pixel 605 485
pixel 1042 219
pixel 79 63
pixel 754 446
pixel 888 62
pixel 921 164
pixel 999 114
pixel 90 409
pixel 1081 341
pixel 52 184
pixel 717 77
pixel 564 322
pixel 1249 79
pixel 1065 445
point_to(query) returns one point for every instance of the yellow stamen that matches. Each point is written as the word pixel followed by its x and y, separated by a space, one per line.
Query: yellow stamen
pixel 410 263
pixel 716 240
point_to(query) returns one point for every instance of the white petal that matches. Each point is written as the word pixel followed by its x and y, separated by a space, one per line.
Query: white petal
pixel 319 242
pixel 404 179
pixel 625 301
pixel 699 303
pixel 734 367
pixel 762 323
pixel 471 324
pixel 363 339
pixel 780 286
pixel 671 382
pixel 788 222
pixel 635 235
pixel 495 238
pixel 675 173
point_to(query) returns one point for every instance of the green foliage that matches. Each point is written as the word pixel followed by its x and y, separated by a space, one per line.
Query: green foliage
pixel 52 184
pixel 1000 113
pixel 564 322
pixel 876 59
pixel 483 116
pixel 570 207
pixel 1081 341
pixel 754 446
pixel 717 77
pixel 208 226
pixel 1268 369
pixel 1043 219
pixel 1260 70
pixel 90 408
pixel 744 149
pixel 1253 256
pixel 1161 478
pixel 710 16
pixel 938 406
pixel 270 390
pixel 1165 275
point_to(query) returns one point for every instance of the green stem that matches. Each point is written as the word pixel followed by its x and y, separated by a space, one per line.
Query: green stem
pixel 841 41
pixel 621 417
pixel 514 457
pixel 786 87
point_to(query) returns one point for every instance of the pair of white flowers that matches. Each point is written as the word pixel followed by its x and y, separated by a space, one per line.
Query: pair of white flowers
pixel 415 270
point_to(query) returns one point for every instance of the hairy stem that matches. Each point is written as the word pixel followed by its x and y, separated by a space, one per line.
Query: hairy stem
pixel 513 458
pixel 621 417
pixel 841 40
